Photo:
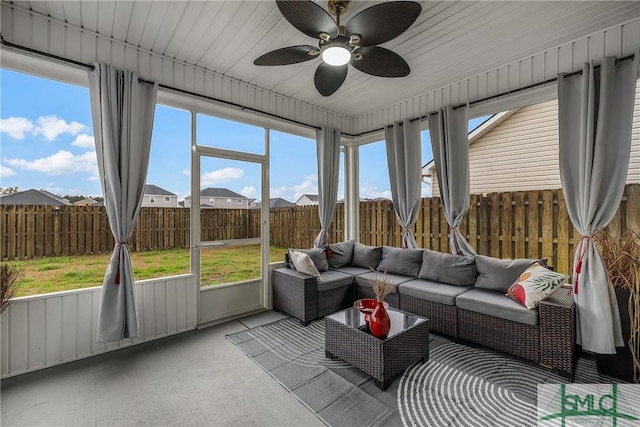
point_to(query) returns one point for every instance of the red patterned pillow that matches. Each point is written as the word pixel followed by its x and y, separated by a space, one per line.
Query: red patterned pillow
pixel 535 284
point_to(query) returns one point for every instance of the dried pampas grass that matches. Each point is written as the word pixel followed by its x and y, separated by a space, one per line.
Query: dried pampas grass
pixel 380 284
pixel 621 258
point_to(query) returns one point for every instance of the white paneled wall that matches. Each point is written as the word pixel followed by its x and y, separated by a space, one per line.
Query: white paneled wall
pixel 46 330
pixel 36 31
pixel 618 41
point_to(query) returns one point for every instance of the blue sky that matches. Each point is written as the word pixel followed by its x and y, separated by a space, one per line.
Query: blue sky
pixel 47 143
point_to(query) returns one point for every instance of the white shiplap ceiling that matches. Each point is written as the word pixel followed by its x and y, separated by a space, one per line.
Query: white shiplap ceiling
pixel 451 40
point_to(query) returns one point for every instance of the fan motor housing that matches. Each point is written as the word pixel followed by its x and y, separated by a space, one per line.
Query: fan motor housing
pixel 338 7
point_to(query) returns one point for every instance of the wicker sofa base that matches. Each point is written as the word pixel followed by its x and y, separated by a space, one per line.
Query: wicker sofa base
pixel 334 300
pixel 511 337
pixel 297 294
pixel 551 343
pixel 442 318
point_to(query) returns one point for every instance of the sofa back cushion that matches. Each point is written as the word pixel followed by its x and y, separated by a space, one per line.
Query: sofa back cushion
pixel 340 254
pixel 366 256
pixel 499 274
pixel 448 268
pixel 406 262
pixel 317 255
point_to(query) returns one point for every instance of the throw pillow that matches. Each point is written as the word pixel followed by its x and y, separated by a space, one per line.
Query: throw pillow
pixel 366 256
pixel 448 268
pixel 317 255
pixel 304 264
pixel 499 274
pixel 340 254
pixel 401 261
pixel 535 284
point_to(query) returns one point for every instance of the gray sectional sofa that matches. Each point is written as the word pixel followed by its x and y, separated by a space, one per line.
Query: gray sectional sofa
pixel 463 297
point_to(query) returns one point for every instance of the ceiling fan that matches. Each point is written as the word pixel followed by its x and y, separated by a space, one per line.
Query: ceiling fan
pixel 356 43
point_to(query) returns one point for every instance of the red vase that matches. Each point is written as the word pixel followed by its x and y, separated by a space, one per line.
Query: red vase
pixel 379 322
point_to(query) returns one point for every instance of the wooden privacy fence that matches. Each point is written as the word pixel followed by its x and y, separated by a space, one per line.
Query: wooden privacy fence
pixel 532 224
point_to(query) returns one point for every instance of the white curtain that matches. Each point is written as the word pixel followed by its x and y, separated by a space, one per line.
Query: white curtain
pixel 405 174
pixel 595 113
pixel 328 149
pixel 122 109
pixel 449 139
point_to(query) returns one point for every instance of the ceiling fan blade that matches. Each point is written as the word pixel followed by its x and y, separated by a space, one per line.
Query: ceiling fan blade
pixel 286 56
pixel 308 17
pixel 381 62
pixel 383 22
pixel 329 78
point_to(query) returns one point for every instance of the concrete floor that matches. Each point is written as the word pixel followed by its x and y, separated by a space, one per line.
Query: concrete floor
pixel 198 378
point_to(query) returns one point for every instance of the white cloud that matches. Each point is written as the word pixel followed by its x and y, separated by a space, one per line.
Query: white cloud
pixel 5 171
pixel 51 187
pixel 16 127
pixel 187 172
pixel 60 163
pixel 293 193
pixel 373 192
pixel 221 175
pixel 249 191
pixel 73 192
pixel 51 127
pixel 84 140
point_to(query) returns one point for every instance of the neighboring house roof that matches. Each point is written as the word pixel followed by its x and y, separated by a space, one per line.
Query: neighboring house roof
pixel 313 198
pixel 276 202
pixel 218 192
pixel 34 197
pixel 279 202
pixel 154 190
pixel 85 202
pixel 476 134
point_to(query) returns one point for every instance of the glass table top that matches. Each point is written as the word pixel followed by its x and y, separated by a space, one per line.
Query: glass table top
pixel 400 320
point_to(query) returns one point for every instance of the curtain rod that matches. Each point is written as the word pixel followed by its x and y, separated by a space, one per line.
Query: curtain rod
pixel 275 116
pixel 163 86
pixel 489 98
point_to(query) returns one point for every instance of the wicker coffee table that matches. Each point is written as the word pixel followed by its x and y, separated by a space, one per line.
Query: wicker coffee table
pixel 407 343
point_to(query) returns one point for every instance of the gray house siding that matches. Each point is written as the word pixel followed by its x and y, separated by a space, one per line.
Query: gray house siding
pixel 521 153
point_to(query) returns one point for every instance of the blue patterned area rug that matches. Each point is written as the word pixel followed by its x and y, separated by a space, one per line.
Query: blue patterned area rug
pixel 460 385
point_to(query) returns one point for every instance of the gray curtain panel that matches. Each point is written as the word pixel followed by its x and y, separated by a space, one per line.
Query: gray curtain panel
pixel 122 109
pixel 449 139
pixel 404 155
pixel 595 113
pixel 328 148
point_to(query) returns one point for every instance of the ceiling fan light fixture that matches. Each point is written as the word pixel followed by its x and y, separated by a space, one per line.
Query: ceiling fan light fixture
pixel 336 55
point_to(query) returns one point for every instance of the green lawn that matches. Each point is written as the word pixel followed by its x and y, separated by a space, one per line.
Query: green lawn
pixel 218 265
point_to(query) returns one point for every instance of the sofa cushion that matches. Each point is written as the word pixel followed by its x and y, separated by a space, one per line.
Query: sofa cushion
pixel 499 274
pixel 401 261
pixel 317 255
pixel 302 262
pixel 340 254
pixel 332 279
pixel 394 279
pixel 448 268
pixel 354 271
pixel 366 256
pixel 496 304
pixel 535 284
pixel 432 291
